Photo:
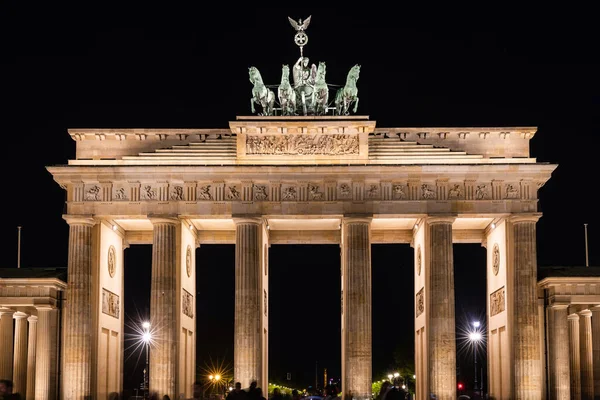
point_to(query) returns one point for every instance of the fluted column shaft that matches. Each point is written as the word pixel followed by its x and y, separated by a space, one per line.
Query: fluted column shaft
pixel 358 308
pixel 596 348
pixel 442 336
pixel 247 327
pixel 29 393
pixel 20 354
pixel 527 352
pixel 163 308
pixel 560 379
pixel 46 355
pixel 6 343
pixel 587 355
pixel 574 357
pixel 78 313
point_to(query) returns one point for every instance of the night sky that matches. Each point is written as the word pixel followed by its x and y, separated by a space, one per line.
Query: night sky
pixel 173 67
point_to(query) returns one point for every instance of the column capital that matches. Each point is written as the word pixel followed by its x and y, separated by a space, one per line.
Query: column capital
pixel 585 313
pixel 529 217
pixel 19 315
pixel 164 219
pixel 357 219
pixel 559 306
pixel 45 307
pixel 248 220
pixel 573 317
pixel 5 311
pixel 32 319
pixel 79 220
pixel 440 219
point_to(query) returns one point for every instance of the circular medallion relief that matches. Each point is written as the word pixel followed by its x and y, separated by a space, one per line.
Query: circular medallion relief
pixel 496 259
pixel 112 261
pixel 188 261
pixel 419 260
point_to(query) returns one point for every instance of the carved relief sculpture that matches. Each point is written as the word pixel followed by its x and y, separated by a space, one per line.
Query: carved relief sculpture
pixel 112 261
pixel 120 194
pixel 455 192
pixel 398 192
pixel 497 302
pixel 187 304
pixel 511 192
pixel 148 193
pixel 313 192
pixel 260 192
pixel 204 193
pixel 265 302
pixel 93 193
pixel 232 193
pixel 420 302
pixel 496 259
pixel 188 261
pixel 481 193
pixel 289 193
pixel 426 192
pixel 345 190
pixel 419 260
pixel 318 144
pixel 177 193
pixel 110 303
pixel 373 191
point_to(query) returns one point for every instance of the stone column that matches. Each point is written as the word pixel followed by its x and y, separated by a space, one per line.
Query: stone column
pixel 76 379
pixel 163 308
pixel 574 356
pixel 358 312
pixel 527 375
pixel 560 379
pixel 442 336
pixel 29 393
pixel 6 343
pixel 586 355
pixel 46 355
pixel 247 328
pixel 596 348
pixel 20 354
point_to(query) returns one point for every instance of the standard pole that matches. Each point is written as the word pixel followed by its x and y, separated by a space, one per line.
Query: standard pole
pixel 19 247
pixel 587 260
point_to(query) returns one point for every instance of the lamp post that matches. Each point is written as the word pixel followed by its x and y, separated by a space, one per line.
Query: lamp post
pixel 146 337
pixel 214 381
pixel 475 338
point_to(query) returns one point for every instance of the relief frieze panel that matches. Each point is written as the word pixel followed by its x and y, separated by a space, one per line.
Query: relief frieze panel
pixel 176 192
pixel 120 193
pixel 289 193
pixel 110 303
pixel 497 302
pixel 317 144
pixel 420 302
pixel 187 304
pixel 399 191
pixel 302 191
pixel 456 192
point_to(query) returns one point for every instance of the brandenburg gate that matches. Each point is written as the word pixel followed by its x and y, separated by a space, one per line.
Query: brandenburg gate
pixel 300 179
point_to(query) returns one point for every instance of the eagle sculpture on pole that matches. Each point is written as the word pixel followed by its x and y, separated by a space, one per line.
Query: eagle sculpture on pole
pixel 300 26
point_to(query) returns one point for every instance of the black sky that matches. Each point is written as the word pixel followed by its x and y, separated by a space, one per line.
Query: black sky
pixel 68 66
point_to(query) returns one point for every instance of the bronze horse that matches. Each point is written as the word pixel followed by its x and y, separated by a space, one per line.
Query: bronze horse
pixel 348 95
pixel 261 94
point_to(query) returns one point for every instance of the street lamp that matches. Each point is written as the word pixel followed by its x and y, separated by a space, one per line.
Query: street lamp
pixel 475 337
pixel 146 338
